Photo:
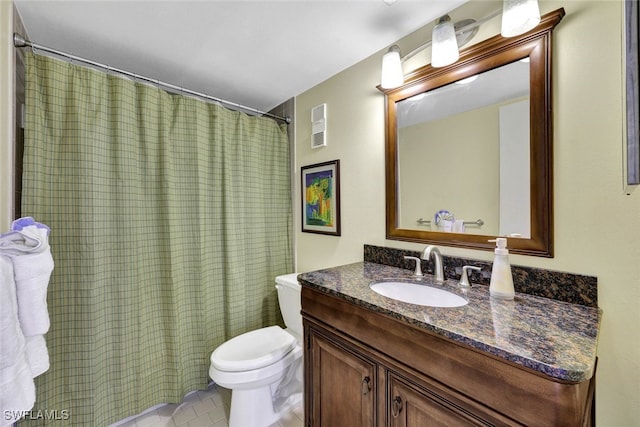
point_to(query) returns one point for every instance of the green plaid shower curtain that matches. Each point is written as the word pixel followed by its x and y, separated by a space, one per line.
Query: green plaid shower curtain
pixel 170 218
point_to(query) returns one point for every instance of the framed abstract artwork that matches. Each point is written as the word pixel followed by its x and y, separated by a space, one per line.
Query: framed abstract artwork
pixel 321 198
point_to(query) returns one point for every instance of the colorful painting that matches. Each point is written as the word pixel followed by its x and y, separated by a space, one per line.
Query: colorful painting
pixel 321 198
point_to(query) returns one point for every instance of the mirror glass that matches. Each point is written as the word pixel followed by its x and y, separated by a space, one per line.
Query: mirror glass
pixel 468 151
pixel 475 127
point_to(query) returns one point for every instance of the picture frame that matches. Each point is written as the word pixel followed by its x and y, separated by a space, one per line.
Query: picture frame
pixel 320 185
pixel 632 101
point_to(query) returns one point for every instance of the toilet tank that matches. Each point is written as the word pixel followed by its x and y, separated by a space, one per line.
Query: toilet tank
pixel 289 300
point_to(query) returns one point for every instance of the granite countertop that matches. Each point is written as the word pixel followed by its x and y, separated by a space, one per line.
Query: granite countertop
pixel 555 338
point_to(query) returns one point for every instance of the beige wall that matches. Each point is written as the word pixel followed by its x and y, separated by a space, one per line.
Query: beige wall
pixel 597 226
pixel 436 160
pixel 6 114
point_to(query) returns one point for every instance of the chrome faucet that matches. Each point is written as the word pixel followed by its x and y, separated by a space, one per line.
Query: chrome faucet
pixel 438 269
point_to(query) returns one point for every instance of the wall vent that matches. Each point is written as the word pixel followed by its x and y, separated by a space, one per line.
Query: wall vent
pixel 319 126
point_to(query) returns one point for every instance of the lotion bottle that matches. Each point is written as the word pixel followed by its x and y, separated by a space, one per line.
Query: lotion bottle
pixel 501 285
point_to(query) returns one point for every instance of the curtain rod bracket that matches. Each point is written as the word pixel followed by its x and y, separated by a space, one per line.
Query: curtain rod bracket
pixel 19 41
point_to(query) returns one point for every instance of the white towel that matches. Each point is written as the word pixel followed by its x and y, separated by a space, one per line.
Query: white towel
pixel 25 268
pixel 458 226
pixel 17 390
pixel 12 341
pixel 28 247
pixel 26 236
pixel 37 354
pixel 32 273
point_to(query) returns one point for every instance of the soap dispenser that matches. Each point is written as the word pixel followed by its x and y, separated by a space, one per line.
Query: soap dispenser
pixel 501 285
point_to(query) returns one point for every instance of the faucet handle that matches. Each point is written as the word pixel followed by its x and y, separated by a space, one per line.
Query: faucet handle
pixel 464 279
pixel 418 271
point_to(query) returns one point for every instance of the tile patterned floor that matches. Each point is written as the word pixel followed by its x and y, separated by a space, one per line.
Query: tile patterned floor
pixel 204 408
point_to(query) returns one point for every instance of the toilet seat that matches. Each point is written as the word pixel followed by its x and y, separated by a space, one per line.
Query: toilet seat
pixel 253 350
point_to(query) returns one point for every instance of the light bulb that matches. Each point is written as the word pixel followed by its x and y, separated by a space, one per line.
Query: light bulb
pixel 392 76
pixel 519 16
pixel 444 46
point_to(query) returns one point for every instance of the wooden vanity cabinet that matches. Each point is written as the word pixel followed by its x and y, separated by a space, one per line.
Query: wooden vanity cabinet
pixel 348 382
pixel 344 378
pixel 369 369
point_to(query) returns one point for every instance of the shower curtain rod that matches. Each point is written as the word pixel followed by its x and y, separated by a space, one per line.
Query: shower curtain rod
pixel 19 41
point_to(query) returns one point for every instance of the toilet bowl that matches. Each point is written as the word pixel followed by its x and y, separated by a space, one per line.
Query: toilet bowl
pixel 263 368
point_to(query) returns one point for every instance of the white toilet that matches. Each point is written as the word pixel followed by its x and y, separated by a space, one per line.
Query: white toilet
pixel 263 368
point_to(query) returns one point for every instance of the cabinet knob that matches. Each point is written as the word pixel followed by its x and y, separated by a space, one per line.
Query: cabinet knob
pixel 366 386
pixel 396 406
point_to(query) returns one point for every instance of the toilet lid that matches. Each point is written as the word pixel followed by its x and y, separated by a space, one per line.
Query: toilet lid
pixel 253 350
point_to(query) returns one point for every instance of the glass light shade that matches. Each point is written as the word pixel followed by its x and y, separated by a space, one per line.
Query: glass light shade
pixel 392 76
pixel 444 46
pixel 519 16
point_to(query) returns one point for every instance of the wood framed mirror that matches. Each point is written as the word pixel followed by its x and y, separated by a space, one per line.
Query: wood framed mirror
pixel 463 177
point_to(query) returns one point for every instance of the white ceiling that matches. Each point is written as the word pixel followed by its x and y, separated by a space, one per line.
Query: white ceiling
pixel 255 53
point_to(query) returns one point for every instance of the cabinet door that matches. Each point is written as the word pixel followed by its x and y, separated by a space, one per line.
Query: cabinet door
pixel 343 384
pixel 411 406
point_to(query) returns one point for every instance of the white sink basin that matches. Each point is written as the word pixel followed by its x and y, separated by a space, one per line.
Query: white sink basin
pixel 418 294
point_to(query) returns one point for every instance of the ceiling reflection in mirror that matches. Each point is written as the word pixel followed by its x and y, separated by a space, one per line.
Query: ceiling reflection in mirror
pixel 463 155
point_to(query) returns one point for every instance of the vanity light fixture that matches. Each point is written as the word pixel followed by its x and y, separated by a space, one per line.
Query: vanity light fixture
pixel 392 68
pixel 392 75
pixel 444 46
pixel 518 17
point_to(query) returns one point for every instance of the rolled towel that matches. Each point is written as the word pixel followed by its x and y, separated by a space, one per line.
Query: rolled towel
pixel 32 273
pixel 12 343
pixel 18 243
pixel 26 236
pixel 28 247
pixel 37 354
pixel 17 390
